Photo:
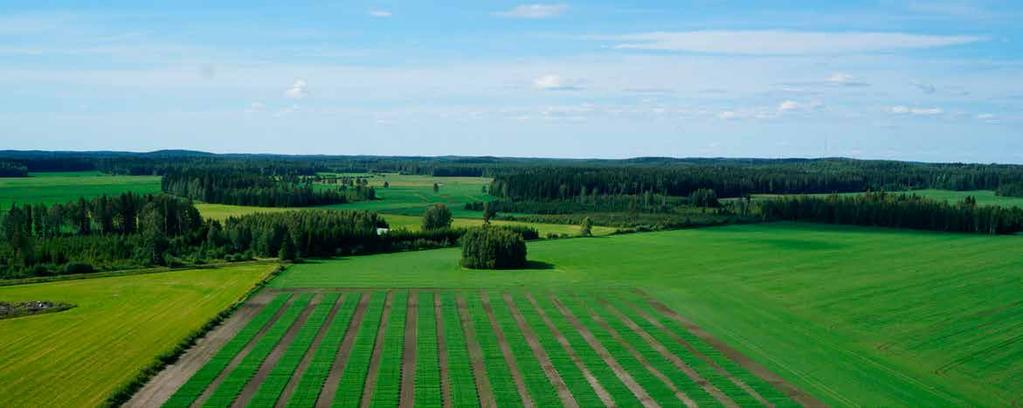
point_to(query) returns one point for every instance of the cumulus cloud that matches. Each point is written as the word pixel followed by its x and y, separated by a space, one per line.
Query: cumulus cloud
pixel 534 11
pixel 907 110
pixel 380 13
pixel 298 90
pixel 771 42
pixel 553 82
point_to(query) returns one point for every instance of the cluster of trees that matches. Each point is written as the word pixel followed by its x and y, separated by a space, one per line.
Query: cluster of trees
pixel 704 197
pixel 492 247
pixel 436 216
pixel 12 169
pixel 1010 190
pixel 590 202
pixel 229 186
pixel 898 211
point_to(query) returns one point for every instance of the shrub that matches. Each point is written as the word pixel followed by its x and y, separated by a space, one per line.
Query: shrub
pixel 77 267
pixel 493 248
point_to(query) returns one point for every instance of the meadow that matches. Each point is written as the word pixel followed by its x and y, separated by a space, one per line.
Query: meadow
pixel 410 194
pixel 854 316
pixel 119 326
pixel 54 188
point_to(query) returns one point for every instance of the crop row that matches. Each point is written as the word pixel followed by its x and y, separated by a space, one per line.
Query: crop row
pixel 463 384
pixel 427 375
pixel 501 381
pixel 388 380
pixel 323 358
pixel 353 380
pixel 198 382
pixel 272 387
pixel 243 372
pixel 540 387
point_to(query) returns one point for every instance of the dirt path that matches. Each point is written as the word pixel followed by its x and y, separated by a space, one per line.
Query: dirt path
pixel 509 357
pixel 605 396
pixel 241 355
pixel 758 370
pixel 442 353
pixel 667 354
pixel 308 358
pixel 688 402
pixel 374 360
pixel 541 355
pixel 619 371
pixel 408 355
pixel 479 370
pixel 275 355
pixel 692 350
pixel 163 385
pixel 326 396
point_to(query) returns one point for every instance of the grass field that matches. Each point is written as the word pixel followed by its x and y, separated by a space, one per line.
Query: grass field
pixel 410 194
pixel 78 357
pixel 493 347
pixel 52 188
pixel 854 316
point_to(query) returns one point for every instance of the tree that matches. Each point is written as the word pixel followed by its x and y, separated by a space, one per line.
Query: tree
pixel 586 227
pixel 387 185
pixel 287 252
pixel 437 216
pixel 488 212
pixel 704 197
pixel 493 248
pixel 436 187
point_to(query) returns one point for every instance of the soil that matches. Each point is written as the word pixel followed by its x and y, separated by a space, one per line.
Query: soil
pixel 408 355
pixel 334 377
pixel 308 358
pixel 541 355
pixel 442 353
pixel 509 358
pixel 378 346
pixel 479 369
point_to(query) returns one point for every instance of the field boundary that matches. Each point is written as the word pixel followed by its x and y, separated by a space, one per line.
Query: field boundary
pixel 126 272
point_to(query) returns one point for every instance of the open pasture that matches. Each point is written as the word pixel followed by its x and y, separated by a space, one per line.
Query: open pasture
pixel 61 187
pixel 387 348
pixel 853 316
pixel 120 324
pixel 410 194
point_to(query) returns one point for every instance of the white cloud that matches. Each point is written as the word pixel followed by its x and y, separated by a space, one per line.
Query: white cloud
pixel 380 13
pixel 553 82
pixel 298 90
pixel 728 115
pixel 987 118
pixel 907 110
pixel 789 106
pixel 771 42
pixel 534 11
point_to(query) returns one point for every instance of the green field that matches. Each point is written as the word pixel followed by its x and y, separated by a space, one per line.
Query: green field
pixel 50 188
pixel 984 197
pixel 78 357
pixel 854 316
pixel 410 194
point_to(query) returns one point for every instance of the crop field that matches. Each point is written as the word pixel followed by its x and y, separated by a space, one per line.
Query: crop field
pixel 461 348
pixel 119 325
pixel 853 316
pixel 410 194
pixel 49 188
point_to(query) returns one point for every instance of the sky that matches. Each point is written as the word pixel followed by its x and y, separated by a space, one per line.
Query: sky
pixel 909 80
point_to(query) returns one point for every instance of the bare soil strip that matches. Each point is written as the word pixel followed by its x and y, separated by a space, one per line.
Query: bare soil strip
pixel 163 385
pixel 509 358
pixel 677 362
pixel 692 350
pixel 619 371
pixel 308 358
pixel 758 370
pixel 541 355
pixel 374 360
pixel 479 369
pixel 275 355
pixel 442 353
pixel 408 356
pixel 334 377
pixel 605 396
pixel 688 402
pixel 241 355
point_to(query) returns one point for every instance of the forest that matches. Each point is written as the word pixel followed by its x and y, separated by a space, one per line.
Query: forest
pixel 239 187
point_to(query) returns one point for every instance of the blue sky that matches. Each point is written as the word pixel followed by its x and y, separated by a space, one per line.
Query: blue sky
pixel 932 81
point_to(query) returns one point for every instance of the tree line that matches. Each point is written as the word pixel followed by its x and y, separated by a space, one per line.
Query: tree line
pixel 12 169
pixel 237 187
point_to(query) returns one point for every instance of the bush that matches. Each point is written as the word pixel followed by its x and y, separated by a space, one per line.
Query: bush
pixel 77 267
pixel 437 216
pixel 493 248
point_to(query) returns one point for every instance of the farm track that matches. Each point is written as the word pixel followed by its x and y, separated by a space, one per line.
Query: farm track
pixel 675 360
pixel 567 399
pixel 502 342
pixel 408 355
pixel 242 354
pixel 753 367
pixel 334 377
pixel 307 359
pixel 479 369
pixel 271 360
pixel 164 384
pixel 442 353
pixel 602 393
pixel 619 371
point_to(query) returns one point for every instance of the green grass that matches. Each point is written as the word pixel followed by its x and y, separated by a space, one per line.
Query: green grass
pixel 120 325
pixel 353 380
pixel 427 375
pixel 272 387
pixel 51 188
pixel 308 389
pixel 389 373
pixel 463 383
pixel 410 194
pixel 851 315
